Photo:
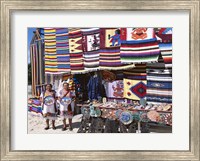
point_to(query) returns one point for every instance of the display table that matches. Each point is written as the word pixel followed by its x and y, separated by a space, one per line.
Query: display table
pixel 108 122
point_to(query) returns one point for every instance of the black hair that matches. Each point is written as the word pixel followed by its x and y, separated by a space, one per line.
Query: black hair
pixel 49 85
pixel 65 83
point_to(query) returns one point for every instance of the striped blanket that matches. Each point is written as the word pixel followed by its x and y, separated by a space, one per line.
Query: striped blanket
pixel 137 73
pixel 56 51
pixel 50 51
pixel 62 50
pixel 91 46
pixel 138 45
pixel 164 37
pixel 110 50
pixel 76 51
pixel 159 86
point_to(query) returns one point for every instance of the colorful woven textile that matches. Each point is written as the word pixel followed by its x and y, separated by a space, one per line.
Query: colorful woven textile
pixel 164 37
pixel 138 45
pixel 159 86
pixel 115 89
pixel 166 51
pixel 91 46
pixel 110 50
pixel 137 73
pixel 50 51
pixel 34 105
pixel 62 50
pixel 76 51
pixel 56 51
pixel 134 89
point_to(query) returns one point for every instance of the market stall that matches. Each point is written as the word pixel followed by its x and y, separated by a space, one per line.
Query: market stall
pixel 122 77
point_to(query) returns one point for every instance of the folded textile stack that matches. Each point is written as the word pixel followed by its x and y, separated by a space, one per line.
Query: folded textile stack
pixel 159 86
pixel 34 105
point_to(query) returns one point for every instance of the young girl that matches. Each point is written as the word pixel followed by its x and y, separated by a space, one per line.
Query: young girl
pixel 64 111
pixel 49 108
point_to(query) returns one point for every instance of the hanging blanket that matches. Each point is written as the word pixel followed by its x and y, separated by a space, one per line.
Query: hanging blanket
pixel 138 45
pixel 34 105
pixel 76 51
pixel 159 86
pixel 164 37
pixel 91 46
pixel 137 73
pixel 134 89
pixel 50 51
pixel 62 50
pixel 110 50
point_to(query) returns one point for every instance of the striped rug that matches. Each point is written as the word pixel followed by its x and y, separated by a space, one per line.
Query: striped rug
pixel 76 51
pixel 159 86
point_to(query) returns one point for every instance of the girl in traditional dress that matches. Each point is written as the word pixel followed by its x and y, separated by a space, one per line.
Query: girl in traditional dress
pixel 65 112
pixel 48 104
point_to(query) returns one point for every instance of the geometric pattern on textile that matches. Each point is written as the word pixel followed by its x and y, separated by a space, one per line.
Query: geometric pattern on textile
pixel 139 89
pixel 134 89
pixel 110 50
pixel 91 45
pixel 76 51
pixel 159 86
pixel 138 45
